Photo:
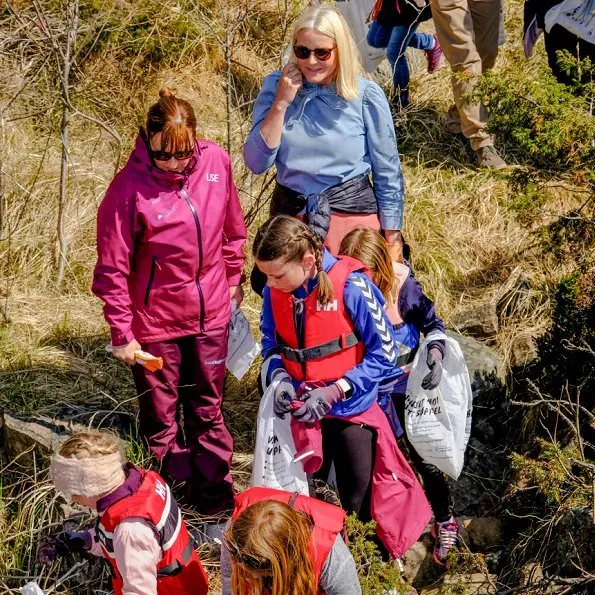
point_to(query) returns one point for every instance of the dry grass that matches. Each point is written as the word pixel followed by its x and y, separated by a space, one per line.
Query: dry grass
pixel 467 243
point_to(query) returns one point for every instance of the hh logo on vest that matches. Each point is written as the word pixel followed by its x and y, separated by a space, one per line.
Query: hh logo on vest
pixel 161 490
pixel 331 306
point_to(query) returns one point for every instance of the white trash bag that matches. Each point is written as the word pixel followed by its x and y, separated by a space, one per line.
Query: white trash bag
pixel 242 349
pixel 356 12
pixel 274 465
pixel 31 588
pixel 438 421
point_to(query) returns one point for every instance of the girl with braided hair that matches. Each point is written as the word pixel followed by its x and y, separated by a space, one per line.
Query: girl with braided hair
pixel 326 346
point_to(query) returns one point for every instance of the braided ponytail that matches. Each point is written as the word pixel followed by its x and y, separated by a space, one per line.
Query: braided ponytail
pixel 325 287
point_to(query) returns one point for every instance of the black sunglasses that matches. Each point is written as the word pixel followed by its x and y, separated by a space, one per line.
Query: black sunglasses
pixel 165 156
pixel 246 559
pixel 303 53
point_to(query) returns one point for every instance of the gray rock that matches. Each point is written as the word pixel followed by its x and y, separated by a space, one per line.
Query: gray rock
pixel 574 542
pixel 473 584
pixel 419 566
pixel 486 369
pixel 27 437
pixel 23 436
pixel 484 532
pixel 478 320
pixel 481 481
pixel 530 574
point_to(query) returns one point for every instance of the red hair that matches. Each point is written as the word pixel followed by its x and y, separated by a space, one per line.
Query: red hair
pixel 176 121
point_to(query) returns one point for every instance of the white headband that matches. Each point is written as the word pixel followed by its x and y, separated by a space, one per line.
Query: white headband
pixel 89 477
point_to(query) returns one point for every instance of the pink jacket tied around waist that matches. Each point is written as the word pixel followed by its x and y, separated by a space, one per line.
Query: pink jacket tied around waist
pixel 169 245
pixel 399 505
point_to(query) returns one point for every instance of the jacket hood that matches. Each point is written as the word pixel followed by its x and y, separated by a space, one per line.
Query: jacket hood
pixel 143 164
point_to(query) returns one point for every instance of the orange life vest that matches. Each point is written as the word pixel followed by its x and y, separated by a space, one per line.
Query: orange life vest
pixel 330 347
pixel 179 570
pixel 328 519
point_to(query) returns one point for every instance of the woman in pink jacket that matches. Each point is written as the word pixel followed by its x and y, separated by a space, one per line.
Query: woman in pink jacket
pixel 170 233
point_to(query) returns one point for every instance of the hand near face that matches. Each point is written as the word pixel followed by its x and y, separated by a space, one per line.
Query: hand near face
pixel 288 86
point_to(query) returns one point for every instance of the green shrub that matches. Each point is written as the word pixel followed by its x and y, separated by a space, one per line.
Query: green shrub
pixel 546 124
pixel 376 575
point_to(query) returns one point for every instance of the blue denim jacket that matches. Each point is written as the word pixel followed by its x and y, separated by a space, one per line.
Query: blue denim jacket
pixel 327 140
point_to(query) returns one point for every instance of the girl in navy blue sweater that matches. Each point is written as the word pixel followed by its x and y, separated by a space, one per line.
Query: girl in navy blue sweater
pixel 410 313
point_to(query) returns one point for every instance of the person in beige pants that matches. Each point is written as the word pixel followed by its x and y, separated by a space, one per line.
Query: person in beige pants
pixel 468 32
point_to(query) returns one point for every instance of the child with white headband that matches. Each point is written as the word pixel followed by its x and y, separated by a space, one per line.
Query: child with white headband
pixel 140 530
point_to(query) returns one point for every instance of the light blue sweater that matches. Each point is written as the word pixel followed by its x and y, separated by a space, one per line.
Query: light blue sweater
pixel 327 140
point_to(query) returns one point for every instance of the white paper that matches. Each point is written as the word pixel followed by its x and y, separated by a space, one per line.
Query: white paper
pixel 31 588
pixel 241 346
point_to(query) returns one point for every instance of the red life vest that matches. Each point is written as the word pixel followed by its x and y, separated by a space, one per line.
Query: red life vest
pixel 179 570
pixel 330 347
pixel 328 519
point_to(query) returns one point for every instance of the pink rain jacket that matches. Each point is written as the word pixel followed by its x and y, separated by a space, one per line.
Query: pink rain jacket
pixel 399 505
pixel 169 246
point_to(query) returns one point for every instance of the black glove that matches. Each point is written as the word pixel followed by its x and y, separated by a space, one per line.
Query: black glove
pixel 62 544
pixel 284 393
pixel 432 378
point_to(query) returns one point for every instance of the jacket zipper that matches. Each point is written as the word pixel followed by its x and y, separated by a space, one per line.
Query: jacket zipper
pixel 151 277
pixel 200 257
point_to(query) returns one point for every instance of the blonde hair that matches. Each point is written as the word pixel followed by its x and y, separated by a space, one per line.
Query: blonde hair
pixel 369 247
pixel 326 20
pixel 279 536
pixel 289 239
pixel 90 444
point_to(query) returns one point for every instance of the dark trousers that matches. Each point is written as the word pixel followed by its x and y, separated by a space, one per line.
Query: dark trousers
pixel 436 484
pixel 191 383
pixel 559 38
pixel 351 448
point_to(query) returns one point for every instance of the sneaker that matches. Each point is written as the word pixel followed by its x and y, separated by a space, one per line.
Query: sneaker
pixel 434 55
pixel 445 535
pixel 488 157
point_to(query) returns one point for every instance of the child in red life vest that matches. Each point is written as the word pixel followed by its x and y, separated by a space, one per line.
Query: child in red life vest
pixel 281 543
pixel 140 530
pixel 326 346
pixel 410 313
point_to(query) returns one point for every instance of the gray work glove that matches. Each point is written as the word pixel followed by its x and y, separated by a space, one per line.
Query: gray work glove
pixel 432 378
pixel 284 393
pixel 318 403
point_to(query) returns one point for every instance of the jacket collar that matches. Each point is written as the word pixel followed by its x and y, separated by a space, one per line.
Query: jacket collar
pixel 128 488
pixel 328 94
pixel 144 163
pixel 307 92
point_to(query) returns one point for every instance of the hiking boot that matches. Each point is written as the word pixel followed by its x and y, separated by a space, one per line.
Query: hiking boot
pixel 434 55
pixel 446 535
pixel 488 157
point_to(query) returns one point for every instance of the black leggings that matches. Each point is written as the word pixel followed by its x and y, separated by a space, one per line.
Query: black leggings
pixel 351 448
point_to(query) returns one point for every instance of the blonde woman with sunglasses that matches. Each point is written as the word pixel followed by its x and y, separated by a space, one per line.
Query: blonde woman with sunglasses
pixel 329 133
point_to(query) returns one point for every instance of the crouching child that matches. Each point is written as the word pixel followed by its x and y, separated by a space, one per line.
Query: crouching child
pixel 139 531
